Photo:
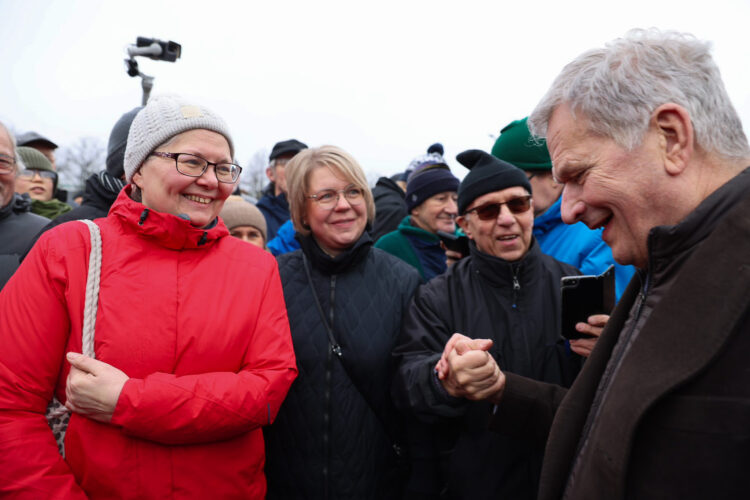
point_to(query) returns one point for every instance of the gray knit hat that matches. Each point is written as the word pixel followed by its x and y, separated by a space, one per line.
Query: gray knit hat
pixel 164 117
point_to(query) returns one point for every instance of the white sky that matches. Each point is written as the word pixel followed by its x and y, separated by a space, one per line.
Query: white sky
pixel 381 79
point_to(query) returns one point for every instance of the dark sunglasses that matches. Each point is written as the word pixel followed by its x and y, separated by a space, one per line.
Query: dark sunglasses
pixel 492 210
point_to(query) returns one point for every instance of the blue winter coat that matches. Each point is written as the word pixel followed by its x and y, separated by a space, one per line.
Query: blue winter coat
pixel 578 246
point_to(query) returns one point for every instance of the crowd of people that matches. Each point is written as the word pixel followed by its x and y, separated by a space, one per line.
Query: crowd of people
pixel 405 341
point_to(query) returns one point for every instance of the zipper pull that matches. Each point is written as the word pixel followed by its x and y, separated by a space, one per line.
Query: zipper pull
pixel 516 284
pixel 336 349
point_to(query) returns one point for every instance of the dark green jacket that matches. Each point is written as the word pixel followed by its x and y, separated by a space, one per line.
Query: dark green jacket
pixel 396 243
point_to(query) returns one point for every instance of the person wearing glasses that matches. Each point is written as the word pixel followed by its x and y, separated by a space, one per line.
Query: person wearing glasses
pixel 337 434
pixel 191 361
pixel 39 180
pixel 17 224
pixel 506 291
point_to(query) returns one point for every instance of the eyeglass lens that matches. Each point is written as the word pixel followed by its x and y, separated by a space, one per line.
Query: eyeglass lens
pixel 330 197
pixel 45 174
pixel 516 205
pixel 194 166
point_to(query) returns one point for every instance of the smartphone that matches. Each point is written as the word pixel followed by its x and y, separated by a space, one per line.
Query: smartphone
pixel 454 242
pixel 583 296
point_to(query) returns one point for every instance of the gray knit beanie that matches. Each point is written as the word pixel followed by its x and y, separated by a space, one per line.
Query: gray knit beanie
pixel 164 117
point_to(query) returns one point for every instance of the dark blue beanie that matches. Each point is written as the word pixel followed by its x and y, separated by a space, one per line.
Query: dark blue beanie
pixel 429 182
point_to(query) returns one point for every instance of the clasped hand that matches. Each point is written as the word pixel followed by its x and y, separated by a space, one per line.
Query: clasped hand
pixel 466 369
pixel 93 387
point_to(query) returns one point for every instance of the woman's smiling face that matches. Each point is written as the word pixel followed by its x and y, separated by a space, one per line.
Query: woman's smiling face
pixel 166 190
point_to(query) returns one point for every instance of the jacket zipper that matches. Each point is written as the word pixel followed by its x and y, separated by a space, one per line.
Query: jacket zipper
pixel 332 349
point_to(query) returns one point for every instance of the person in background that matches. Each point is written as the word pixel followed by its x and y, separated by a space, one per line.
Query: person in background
pixel 244 221
pixel 574 244
pixel 192 344
pixel 431 201
pixel 47 148
pixel 39 181
pixel 102 188
pixel 506 291
pixel 17 224
pixel 646 142
pixel 390 192
pixel 273 204
pixel 337 434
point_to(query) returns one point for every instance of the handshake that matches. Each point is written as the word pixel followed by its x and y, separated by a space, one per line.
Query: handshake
pixel 467 369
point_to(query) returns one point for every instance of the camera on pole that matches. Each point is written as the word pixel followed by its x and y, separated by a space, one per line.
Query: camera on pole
pixel 152 48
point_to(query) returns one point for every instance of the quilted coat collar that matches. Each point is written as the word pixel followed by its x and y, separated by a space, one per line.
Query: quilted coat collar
pixel 168 230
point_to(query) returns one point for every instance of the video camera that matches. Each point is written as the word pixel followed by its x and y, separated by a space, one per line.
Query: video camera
pixel 152 48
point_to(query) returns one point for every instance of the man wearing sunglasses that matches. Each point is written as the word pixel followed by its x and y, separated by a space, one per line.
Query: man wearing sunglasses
pixel 507 291
pixel 17 225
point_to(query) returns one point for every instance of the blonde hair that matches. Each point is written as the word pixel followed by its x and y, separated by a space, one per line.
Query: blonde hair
pixel 298 172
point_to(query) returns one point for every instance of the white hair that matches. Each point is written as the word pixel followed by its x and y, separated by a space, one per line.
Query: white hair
pixel 19 163
pixel 618 87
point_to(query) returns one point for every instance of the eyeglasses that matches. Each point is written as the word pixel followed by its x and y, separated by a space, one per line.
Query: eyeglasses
pixel 7 163
pixel 492 210
pixel 329 198
pixel 44 174
pixel 194 166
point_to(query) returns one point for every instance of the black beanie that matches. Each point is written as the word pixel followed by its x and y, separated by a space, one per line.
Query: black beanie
pixel 487 174
pixel 429 182
pixel 118 139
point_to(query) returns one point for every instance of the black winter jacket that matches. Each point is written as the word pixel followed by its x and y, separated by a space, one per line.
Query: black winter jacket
pixel 517 305
pixel 326 441
pixel 390 207
pixel 17 228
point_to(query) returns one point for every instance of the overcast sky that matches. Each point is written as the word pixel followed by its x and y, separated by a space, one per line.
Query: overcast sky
pixel 381 79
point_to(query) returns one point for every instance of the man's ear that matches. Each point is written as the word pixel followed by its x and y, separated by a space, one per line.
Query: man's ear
pixel 672 123
pixel 464 225
pixel 271 174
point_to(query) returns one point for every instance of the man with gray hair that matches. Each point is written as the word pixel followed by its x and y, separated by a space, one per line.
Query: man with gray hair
pixel 17 224
pixel 647 145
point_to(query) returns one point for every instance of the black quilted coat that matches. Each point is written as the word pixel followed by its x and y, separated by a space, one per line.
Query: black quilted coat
pixel 327 442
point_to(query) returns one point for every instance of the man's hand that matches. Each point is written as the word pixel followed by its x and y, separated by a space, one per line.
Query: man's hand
pixel 595 325
pixel 467 370
pixel 93 387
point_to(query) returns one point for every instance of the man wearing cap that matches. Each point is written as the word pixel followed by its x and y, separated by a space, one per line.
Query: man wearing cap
pixel 506 291
pixel 273 204
pixel 573 244
pixel 431 202
pixel 17 225
pixel 39 181
pixel 101 188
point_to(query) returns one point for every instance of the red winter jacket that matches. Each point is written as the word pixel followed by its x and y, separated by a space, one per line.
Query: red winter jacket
pixel 197 321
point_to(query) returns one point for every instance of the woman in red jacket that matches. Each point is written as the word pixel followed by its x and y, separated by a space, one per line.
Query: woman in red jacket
pixel 192 344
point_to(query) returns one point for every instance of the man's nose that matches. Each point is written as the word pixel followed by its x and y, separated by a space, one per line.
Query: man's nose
pixel 571 207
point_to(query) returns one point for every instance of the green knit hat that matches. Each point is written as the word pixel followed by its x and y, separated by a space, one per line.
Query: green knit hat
pixel 516 146
pixel 33 159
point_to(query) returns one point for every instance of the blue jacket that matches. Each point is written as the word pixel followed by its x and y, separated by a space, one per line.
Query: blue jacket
pixel 284 241
pixel 275 209
pixel 578 246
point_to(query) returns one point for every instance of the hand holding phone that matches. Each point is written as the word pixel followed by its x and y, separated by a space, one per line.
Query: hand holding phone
pixel 584 296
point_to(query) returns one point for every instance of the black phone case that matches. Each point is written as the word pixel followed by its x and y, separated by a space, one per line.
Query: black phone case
pixel 583 296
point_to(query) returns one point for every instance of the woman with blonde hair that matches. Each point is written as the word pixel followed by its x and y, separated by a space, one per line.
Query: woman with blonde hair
pixel 337 434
